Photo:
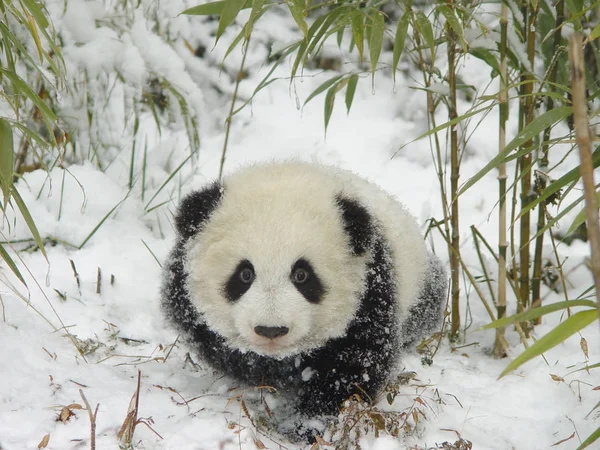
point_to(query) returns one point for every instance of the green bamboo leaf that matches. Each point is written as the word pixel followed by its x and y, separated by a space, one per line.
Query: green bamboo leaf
pixel 534 313
pixel 426 30
pixel 230 11
pixel 322 87
pixel 298 10
pixel 255 14
pixel 11 264
pixel 33 31
pixel 302 49
pixel 454 23
pixel 570 177
pixel 329 101
pixel 29 221
pixel 350 90
pixel 401 31
pixel 590 439
pixel 561 332
pixel 487 57
pixel 375 41
pixel 535 127
pixel 30 93
pixel 595 34
pixel 37 13
pixel 267 80
pixel 580 217
pixel 358 32
pixel 6 160
pixel 211 9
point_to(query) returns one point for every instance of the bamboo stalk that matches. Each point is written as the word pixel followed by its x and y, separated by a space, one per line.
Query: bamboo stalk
pixel 527 114
pixel 454 177
pixel 499 350
pixel 584 143
pixel 536 279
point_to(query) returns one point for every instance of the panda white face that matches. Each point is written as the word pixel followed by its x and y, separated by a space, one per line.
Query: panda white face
pixel 272 270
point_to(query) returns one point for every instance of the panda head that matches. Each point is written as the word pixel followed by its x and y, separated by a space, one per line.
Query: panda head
pixel 275 257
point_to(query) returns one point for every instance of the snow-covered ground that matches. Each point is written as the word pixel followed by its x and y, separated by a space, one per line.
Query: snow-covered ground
pixel 106 294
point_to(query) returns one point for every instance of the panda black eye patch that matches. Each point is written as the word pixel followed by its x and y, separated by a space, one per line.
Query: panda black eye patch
pixel 306 281
pixel 240 280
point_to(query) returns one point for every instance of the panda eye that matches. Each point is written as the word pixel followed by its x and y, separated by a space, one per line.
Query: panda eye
pixel 300 276
pixel 246 275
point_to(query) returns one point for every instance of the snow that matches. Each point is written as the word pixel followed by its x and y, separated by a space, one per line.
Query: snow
pixel 119 320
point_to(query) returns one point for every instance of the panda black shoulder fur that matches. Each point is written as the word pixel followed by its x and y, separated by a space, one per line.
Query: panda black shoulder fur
pixel 301 277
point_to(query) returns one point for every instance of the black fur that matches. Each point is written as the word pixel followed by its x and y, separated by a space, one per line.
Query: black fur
pixel 312 289
pixel 195 208
pixel 358 224
pixel 235 286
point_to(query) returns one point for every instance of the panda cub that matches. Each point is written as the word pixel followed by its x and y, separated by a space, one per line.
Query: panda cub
pixel 301 277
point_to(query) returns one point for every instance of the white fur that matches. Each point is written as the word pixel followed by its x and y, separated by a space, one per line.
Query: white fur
pixel 273 215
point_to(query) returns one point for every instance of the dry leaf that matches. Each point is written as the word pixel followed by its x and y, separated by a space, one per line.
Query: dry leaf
pixel 563 440
pixel 65 414
pixel 597 388
pixel 557 378
pixel 584 347
pixel 259 444
pixel 320 441
pixel 44 441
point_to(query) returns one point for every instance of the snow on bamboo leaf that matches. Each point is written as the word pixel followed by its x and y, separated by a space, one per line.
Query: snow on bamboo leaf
pixel 535 127
pixel 561 332
pixel 399 41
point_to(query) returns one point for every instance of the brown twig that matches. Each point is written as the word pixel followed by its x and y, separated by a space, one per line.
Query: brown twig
pixel 92 420
pixel 582 133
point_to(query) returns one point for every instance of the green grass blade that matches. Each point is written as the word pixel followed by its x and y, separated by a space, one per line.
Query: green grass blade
pixel 175 172
pixel 399 40
pixel 561 332
pixel 29 221
pixel 6 160
pixel 535 127
pixel 11 264
pixel 590 439
pixel 106 216
pixel 350 91
pixel 534 313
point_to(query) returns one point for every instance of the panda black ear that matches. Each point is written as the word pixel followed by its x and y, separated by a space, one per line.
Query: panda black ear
pixel 196 208
pixel 358 224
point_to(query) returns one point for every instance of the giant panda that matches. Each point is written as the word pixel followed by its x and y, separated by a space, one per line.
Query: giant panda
pixel 302 277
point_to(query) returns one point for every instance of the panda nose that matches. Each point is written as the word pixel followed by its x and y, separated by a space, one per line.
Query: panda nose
pixel 271 332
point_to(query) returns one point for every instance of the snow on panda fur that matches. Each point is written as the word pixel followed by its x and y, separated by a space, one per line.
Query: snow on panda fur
pixel 303 277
